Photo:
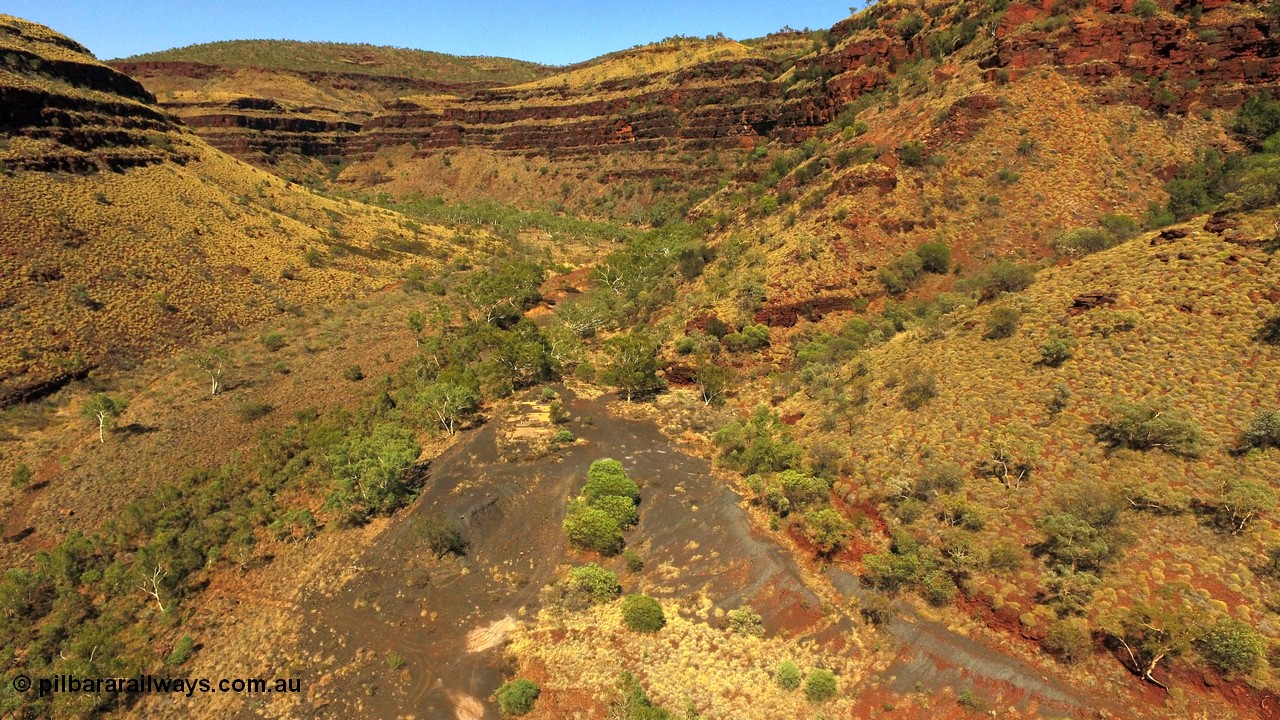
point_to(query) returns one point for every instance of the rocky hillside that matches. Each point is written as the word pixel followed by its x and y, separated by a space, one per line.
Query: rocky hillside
pixel 972 130
pixel 268 101
pixel 125 234
pixel 677 109
pixel 62 110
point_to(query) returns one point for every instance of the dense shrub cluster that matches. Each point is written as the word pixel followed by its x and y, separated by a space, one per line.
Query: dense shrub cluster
pixel 1150 425
pixel 594 583
pixel 1236 181
pixel 517 697
pixel 905 271
pixel 1111 231
pixel 643 614
pixel 606 508
pixel 761 444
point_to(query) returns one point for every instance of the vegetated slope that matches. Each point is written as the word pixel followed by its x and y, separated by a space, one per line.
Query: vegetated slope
pixel 1052 461
pixel 123 234
pixel 353 58
pixel 1049 461
pixel 1071 471
pixel 972 140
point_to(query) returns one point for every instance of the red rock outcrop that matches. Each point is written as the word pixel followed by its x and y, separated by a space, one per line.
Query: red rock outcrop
pixel 1173 62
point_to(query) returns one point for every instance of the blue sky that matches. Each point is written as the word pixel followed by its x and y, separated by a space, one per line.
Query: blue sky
pixel 547 31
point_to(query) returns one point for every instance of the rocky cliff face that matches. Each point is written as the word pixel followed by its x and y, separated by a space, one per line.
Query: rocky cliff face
pixel 1211 55
pixel 717 104
pixel 62 110
pixel 1171 62
pixel 262 114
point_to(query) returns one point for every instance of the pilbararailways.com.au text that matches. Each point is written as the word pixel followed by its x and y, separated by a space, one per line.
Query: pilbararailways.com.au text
pixel 147 684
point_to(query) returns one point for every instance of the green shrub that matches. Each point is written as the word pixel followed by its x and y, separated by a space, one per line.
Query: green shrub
pixel 761 444
pixel 80 294
pixel 1150 425
pixel 894 284
pixel 820 686
pixel 21 476
pixel 181 651
pixel 752 337
pixel 1241 501
pixel 249 410
pixel 893 571
pixel 1202 184
pixel 1084 241
pixel 1075 541
pixel 370 472
pixel 938 589
pixel 622 509
pixel 596 583
pixel 1263 431
pixel 1058 349
pixel 1146 8
pixel 635 703
pixel 558 413
pixel 1258 185
pixel 606 468
pixel 273 341
pixel 935 257
pixel 744 621
pixel 912 153
pixel 901 274
pixel 1269 333
pixel 1002 323
pixel 1005 276
pixel 803 489
pixel 1233 646
pixel 632 560
pixel 606 477
pixel 643 614
pixel 717 328
pixel 517 697
pixel 1068 639
pixel 827 530
pixel 564 437
pixel 877 609
pixel 1006 556
pixel 1007 176
pixel 937 478
pixel 969 700
pixel 1121 227
pixel 788 675
pixel 354 373
pixel 443 535
pixel 1258 119
pixel 921 387
pixel 593 529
